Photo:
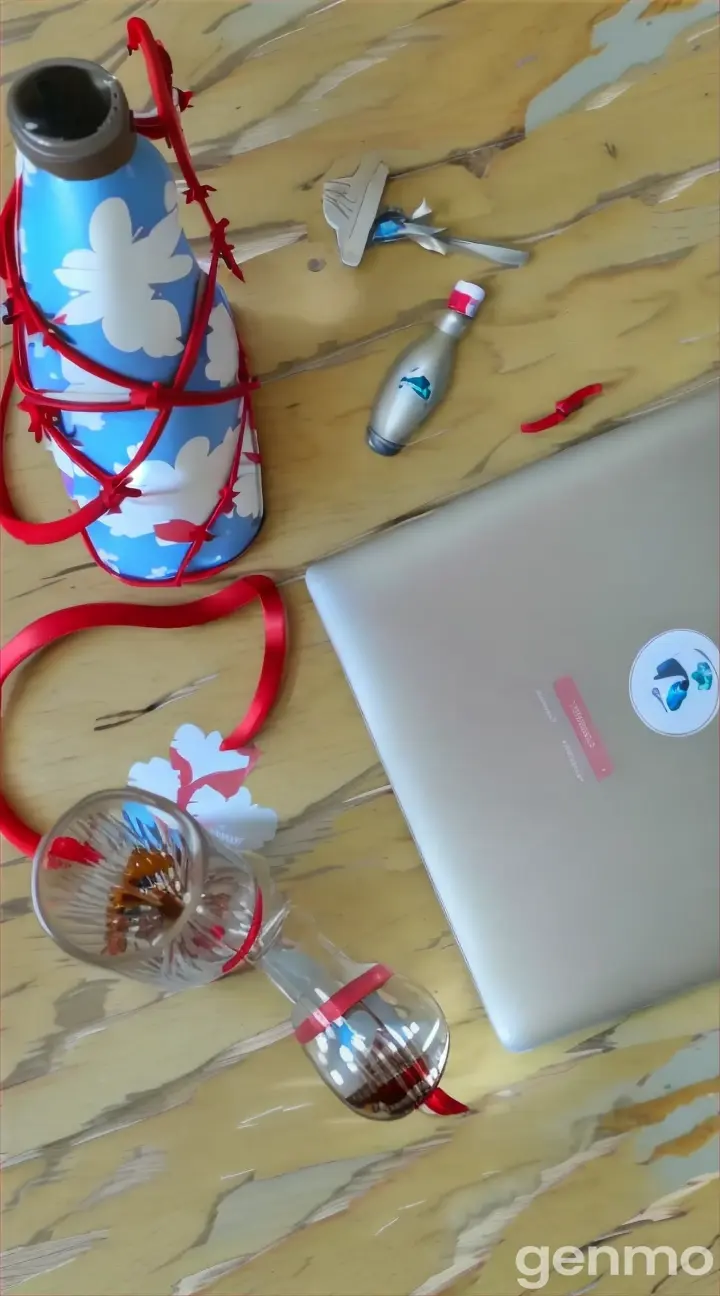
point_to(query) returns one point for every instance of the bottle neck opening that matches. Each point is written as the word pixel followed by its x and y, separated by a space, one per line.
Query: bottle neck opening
pixel 70 117
pixel 63 102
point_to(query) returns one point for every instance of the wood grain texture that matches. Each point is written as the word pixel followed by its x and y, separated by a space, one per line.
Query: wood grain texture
pixel 181 1144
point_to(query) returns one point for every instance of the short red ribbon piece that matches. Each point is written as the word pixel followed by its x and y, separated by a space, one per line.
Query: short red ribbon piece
pixel 64 851
pixel 563 409
pixel 441 1103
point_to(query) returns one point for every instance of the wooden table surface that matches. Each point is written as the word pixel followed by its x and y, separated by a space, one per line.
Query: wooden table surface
pixel 159 1144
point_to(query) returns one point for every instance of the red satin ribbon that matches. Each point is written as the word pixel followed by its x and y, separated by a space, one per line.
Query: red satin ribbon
pixel 213 607
pixel 563 409
pixel 44 410
pixel 254 931
pixel 68 850
pixel 341 1002
pixel 347 997
pixel 167 124
pixel 441 1104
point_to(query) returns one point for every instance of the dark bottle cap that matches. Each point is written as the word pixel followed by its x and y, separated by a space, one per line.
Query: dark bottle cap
pixel 71 118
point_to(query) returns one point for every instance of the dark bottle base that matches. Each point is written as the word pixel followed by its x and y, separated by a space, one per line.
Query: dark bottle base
pixel 380 445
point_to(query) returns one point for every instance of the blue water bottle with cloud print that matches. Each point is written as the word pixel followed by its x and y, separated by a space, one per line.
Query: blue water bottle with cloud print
pixel 104 258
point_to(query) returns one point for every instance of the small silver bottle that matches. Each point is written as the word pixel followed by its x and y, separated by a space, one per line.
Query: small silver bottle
pixel 419 379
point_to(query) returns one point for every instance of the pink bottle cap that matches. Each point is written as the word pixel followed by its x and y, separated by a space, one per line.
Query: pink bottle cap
pixel 465 298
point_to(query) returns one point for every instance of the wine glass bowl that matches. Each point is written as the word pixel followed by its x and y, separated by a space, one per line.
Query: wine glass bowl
pixel 128 881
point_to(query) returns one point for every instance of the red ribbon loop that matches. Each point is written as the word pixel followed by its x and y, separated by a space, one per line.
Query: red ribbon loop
pixel 253 932
pixel 49 629
pixel 342 1001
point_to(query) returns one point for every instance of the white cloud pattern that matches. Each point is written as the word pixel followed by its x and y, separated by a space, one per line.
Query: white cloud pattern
pixel 110 560
pixel 63 460
pixel 247 488
pixel 24 168
pixel 222 347
pixel 83 386
pixel 129 456
pixel 186 491
pixel 117 275
pixel 35 342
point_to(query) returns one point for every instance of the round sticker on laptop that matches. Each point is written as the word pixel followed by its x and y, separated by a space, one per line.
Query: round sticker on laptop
pixel 674 683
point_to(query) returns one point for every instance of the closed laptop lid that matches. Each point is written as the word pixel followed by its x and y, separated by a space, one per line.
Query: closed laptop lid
pixel 537 663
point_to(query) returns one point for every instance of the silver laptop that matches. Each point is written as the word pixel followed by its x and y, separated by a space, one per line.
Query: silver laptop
pixel 538 666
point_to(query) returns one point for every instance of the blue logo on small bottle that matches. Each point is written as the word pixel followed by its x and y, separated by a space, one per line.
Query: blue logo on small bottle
pixel 420 386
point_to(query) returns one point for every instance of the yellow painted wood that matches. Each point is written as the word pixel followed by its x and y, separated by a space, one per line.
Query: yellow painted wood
pixel 182 1144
